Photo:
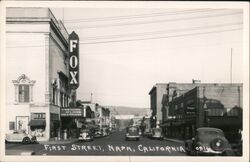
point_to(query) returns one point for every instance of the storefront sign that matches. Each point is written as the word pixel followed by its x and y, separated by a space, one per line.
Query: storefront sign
pixel 73 60
pixel 73 112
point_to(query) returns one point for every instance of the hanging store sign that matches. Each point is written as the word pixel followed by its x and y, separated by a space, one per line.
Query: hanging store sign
pixel 71 112
pixel 73 60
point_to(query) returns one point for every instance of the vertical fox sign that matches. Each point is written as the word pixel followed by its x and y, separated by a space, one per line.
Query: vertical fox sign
pixel 73 60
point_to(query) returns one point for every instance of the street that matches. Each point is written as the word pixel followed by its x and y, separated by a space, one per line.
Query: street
pixel 113 145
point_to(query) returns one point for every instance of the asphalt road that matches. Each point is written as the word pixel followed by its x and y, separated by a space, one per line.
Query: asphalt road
pixel 113 145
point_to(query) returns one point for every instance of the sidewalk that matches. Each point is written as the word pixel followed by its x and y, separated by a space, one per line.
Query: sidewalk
pixel 61 141
pixel 174 140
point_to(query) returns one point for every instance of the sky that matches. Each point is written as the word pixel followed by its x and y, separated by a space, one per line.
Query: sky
pixel 124 52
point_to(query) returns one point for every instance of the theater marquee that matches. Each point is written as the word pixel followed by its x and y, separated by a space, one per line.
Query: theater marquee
pixel 72 112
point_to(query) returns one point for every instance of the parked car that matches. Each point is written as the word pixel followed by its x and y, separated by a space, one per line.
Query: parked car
pixel 156 133
pixel 132 132
pixel 20 136
pixel 147 133
pixel 86 135
pixel 105 131
pixel 98 133
pixel 209 141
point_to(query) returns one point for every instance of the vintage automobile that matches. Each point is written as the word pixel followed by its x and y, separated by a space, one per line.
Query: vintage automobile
pixel 20 136
pixel 132 132
pixel 209 141
pixel 86 135
pixel 98 133
pixel 105 131
pixel 156 133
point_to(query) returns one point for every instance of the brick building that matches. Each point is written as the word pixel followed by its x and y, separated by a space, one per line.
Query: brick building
pixel 206 105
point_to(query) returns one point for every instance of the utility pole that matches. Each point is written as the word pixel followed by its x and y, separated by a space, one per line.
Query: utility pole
pixel 231 67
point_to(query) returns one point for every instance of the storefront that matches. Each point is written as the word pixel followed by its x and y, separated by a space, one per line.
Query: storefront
pixel 71 119
pixel 34 99
pixel 54 125
pixel 38 124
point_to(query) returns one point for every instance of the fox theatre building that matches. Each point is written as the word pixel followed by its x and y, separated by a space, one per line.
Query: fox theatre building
pixel 71 115
pixel 37 87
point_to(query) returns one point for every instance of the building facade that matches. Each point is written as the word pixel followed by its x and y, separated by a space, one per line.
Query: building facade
pixel 173 90
pixel 103 116
pixel 206 105
pixel 37 76
pixel 156 94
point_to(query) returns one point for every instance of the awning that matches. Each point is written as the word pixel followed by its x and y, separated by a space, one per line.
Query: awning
pixel 37 123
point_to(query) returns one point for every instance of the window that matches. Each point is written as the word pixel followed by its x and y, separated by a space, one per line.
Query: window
pixel 23 93
pixel 61 99
pixel 54 116
pixel 37 115
pixel 23 89
pixel 11 125
pixel 54 95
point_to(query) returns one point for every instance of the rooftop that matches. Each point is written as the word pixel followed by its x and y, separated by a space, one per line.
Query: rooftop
pixel 34 14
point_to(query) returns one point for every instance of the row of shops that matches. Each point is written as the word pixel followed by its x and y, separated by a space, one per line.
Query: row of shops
pixel 186 107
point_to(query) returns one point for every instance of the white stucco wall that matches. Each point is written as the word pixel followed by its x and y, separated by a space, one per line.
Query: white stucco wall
pixel 25 54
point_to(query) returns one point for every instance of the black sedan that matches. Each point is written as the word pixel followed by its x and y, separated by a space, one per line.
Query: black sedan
pixel 209 141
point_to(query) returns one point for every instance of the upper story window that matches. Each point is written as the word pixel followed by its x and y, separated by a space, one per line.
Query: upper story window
pixel 23 93
pixel 23 89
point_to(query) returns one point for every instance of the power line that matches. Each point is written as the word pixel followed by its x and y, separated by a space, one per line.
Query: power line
pixel 163 37
pixel 141 39
pixel 162 32
pixel 154 21
pixel 138 16
pixel 179 47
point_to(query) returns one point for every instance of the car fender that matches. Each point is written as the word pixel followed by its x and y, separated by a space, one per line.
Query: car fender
pixel 228 152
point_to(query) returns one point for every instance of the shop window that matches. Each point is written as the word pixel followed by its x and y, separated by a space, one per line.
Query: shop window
pixel 54 116
pixel 11 125
pixel 38 131
pixel 38 116
pixel 23 89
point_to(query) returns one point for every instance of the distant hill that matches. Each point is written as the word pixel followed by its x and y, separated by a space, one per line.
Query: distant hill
pixel 123 110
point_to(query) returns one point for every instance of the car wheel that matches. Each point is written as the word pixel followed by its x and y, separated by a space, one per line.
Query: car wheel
pixel 26 140
pixel 126 138
pixel 137 139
